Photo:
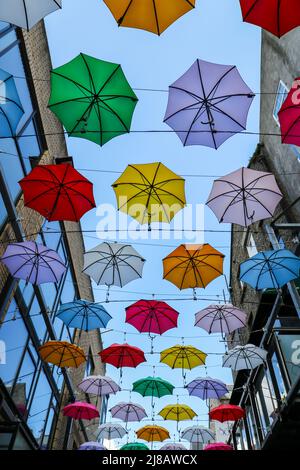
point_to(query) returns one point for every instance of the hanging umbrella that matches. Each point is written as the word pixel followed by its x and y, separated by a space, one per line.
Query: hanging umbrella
pixel 92 446
pixel 208 104
pixel 224 413
pixel 191 266
pixel 173 447
pixel 197 434
pixel 218 446
pixel 270 269
pixel 83 315
pixel 150 193
pixel 245 357
pixel 11 109
pixel 154 16
pixel 289 116
pixel 153 387
pixel 183 357
pixel 113 264
pixel 134 446
pixel 220 319
pixel 207 388
pixel 33 262
pixel 244 197
pixel 276 16
pixel 92 99
pixel 128 412
pixel 122 355
pixel 62 354
pixel 99 385
pixel 111 431
pixel 81 410
pixel 26 13
pixel 153 433
pixel 151 316
pixel 177 412
pixel 58 192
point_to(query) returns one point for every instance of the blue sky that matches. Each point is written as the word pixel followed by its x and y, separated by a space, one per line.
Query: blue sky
pixel 214 31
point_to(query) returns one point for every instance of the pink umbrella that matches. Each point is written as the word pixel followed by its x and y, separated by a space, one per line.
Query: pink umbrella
pixel 220 319
pixel 218 446
pixel 151 316
pixel 81 410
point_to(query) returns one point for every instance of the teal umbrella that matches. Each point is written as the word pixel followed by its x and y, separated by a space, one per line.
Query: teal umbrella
pixel 135 446
pixel 153 387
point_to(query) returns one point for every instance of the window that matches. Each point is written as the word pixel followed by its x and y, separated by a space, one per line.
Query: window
pixel 251 246
pixel 282 92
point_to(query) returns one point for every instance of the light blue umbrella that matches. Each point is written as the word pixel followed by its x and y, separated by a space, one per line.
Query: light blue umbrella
pixel 270 269
pixel 11 109
pixel 84 315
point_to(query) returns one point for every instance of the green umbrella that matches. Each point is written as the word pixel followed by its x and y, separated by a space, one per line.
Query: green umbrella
pixel 92 99
pixel 135 446
pixel 153 387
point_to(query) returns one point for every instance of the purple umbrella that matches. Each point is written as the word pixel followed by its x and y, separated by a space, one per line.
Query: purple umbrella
pixel 92 446
pixel 128 412
pixel 220 319
pixel 173 447
pixel 206 388
pixel 99 385
pixel 208 104
pixel 244 196
pixel 33 262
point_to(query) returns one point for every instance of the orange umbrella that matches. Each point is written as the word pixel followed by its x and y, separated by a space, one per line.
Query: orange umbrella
pixel 191 266
pixel 62 354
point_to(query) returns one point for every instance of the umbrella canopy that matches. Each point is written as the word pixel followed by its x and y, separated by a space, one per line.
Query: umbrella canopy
pixel 84 315
pixel 26 13
pixel 154 16
pixel 207 388
pixel 92 446
pixel 245 357
pixel 33 262
pixel 92 99
pixel 153 387
pixel 224 413
pixel 197 434
pixel 134 446
pixel 289 116
pixel 128 412
pixel 113 264
pixel 276 16
pixel 58 192
pixel 220 319
pixel 81 410
pixel 244 197
pixel 208 104
pixel 150 192
pixel 62 354
pixel 99 385
pixel 191 266
pixel 173 447
pixel 153 433
pixel 151 316
pixel 111 431
pixel 11 109
pixel 122 355
pixel 183 357
pixel 218 446
pixel 270 269
pixel 177 412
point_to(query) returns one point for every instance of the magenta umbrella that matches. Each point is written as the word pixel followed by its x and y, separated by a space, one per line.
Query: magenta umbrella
pixel 128 412
pixel 220 319
pixel 208 104
pixel 218 446
pixel 81 410
pixel 151 316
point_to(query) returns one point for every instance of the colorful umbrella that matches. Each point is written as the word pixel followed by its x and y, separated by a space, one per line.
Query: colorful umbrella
pixel 289 116
pixel 81 410
pixel 169 447
pixel 153 433
pixel 224 413
pixel 111 431
pixel 220 319
pixel 26 13
pixel 134 446
pixel 207 388
pixel 11 109
pixel 218 446
pixel 113 264
pixel 153 387
pixel 151 316
pixel 276 16
pixel 197 434
pixel 208 104
pixel 191 266
pixel 183 357
pixel 84 315
pixel 92 99
pixel 245 357
pixel 33 262
pixel 99 385
pixel 62 354
pixel 177 413
pixel 270 269
pixel 244 197
pixel 58 192
pixel 150 193
pixel 154 16
pixel 128 412
pixel 92 446
pixel 122 355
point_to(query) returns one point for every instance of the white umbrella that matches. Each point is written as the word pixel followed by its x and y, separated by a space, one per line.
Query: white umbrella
pixel 26 13
pixel 99 385
pixel 244 357
pixel 173 447
pixel 198 435
pixel 111 431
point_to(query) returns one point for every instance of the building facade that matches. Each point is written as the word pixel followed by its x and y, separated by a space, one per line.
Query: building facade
pixel 32 392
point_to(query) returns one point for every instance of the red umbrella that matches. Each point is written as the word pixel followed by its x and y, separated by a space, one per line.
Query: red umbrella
pixel 227 413
pixel 218 446
pixel 81 410
pixel 58 192
pixel 289 116
pixel 151 316
pixel 122 355
pixel 276 16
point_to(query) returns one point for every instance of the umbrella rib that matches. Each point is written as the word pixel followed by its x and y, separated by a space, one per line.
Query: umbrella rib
pixel 81 87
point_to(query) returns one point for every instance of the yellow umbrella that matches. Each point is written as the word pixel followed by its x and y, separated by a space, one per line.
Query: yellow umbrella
pixel 152 15
pixel 183 357
pixel 150 192
pixel 62 354
pixel 153 433
pixel 191 266
pixel 177 412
